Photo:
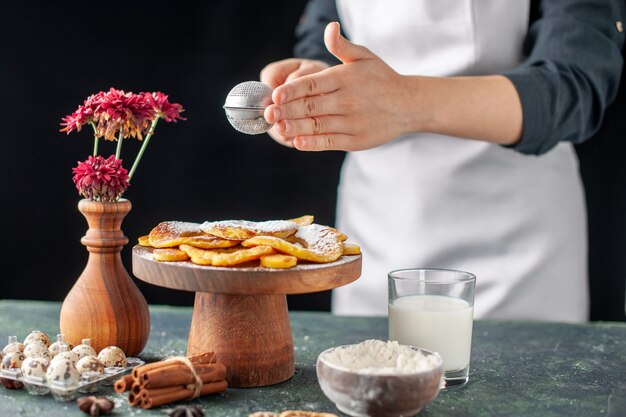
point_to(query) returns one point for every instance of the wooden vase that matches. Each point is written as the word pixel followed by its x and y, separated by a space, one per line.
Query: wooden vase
pixel 104 304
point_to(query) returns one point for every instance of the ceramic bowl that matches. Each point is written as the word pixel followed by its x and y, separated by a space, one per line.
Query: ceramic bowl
pixel 388 394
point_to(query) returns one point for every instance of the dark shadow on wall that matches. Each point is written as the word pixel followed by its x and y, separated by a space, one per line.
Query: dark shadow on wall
pixel 55 55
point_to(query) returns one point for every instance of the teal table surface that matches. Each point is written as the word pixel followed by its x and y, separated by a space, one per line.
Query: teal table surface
pixel 518 368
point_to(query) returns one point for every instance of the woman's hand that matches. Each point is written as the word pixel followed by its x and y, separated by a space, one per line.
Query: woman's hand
pixel 281 72
pixel 353 106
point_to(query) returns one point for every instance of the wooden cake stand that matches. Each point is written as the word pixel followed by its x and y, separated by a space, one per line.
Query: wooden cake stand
pixel 241 313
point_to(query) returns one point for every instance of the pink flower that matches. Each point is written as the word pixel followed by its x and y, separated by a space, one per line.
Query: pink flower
pixel 126 112
pixel 84 114
pixel 101 179
pixel 170 112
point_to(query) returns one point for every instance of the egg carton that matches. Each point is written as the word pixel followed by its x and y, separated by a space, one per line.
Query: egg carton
pixel 89 382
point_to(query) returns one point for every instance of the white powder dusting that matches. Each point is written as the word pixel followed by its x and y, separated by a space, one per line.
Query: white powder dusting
pixel 184 228
pixel 271 226
pixel 318 238
pixel 378 357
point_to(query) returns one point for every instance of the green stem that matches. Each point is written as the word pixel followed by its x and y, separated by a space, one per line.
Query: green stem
pixel 118 151
pixel 143 148
pixel 95 139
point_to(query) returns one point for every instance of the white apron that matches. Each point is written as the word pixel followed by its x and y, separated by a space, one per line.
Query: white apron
pixel 424 200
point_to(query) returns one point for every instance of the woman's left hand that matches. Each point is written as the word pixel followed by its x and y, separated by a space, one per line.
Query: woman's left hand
pixel 357 105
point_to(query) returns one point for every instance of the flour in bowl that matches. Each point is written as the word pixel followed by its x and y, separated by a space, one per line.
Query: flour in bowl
pixel 378 357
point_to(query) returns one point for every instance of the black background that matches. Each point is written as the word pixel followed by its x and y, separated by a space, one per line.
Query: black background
pixel 54 55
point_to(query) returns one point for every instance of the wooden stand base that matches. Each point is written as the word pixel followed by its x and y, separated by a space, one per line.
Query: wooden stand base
pixel 258 350
pixel 241 313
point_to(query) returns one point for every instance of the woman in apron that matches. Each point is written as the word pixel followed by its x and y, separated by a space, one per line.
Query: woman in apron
pixel 422 193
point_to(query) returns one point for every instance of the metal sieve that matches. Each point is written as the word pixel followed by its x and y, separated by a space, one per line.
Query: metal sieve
pixel 244 107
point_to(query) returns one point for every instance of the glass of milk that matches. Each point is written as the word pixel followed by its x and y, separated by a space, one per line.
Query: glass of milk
pixel 434 309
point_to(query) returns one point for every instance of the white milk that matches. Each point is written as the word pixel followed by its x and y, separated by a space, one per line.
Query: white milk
pixel 437 323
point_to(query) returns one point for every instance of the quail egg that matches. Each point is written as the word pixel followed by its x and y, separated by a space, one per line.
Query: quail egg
pixel 13 347
pixel 37 349
pixel 56 347
pixel 89 364
pixel 62 370
pixel 12 360
pixel 37 335
pixel 112 356
pixel 67 355
pixel 84 349
pixel 60 345
pixel 35 367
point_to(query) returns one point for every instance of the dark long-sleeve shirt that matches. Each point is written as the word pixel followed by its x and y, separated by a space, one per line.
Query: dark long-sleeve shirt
pixel 569 78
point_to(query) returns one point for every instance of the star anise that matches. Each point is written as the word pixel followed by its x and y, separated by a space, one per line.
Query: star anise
pixel 94 406
pixel 186 411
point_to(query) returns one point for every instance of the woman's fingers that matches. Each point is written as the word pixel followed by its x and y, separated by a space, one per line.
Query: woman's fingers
pixel 280 138
pixel 316 133
pixel 280 72
pixel 325 142
pixel 343 49
pixel 312 126
pixel 306 68
pixel 277 72
pixel 309 85
pixel 302 108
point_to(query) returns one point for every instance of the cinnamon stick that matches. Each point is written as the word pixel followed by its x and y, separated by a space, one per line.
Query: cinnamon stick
pixel 158 392
pixel 179 394
pixel 123 384
pixel 180 374
pixel 201 358
pixel 136 387
pixel 133 399
pixel 144 368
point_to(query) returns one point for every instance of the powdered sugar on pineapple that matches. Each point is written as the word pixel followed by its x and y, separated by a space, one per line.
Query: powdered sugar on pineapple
pixel 378 357
pixel 184 227
pixel 271 226
pixel 318 238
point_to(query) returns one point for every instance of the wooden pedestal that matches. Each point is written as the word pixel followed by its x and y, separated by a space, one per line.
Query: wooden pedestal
pixel 241 313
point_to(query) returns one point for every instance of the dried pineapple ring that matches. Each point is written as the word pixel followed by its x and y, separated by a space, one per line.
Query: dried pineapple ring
pixel 144 241
pixel 243 229
pixel 166 234
pixel 322 243
pixel 169 255
pixel 241 256
pixel 204 256
pixel 303 220
pixel 208 242
pixel 278 261
pixel 351 249
pixel 197 256
pixel 340 235
pixel 225 257
pixel 173 233
pixel 307 220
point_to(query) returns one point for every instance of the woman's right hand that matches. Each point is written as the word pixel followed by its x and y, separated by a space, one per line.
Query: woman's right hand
pixel 281 72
